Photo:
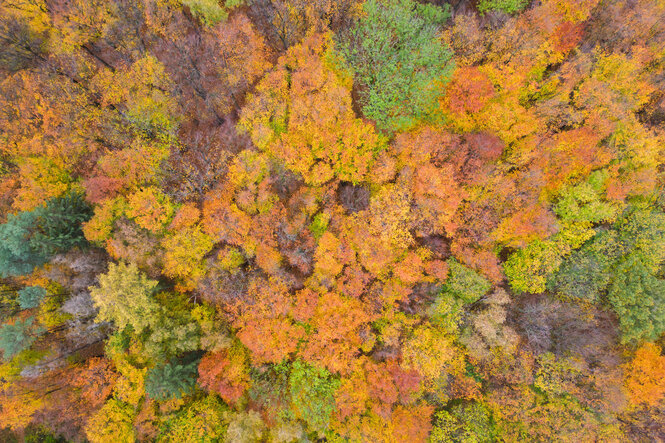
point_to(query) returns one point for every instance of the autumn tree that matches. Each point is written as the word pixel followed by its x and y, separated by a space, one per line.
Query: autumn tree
pixel 412 423
pixel 336 338
pixel 223 220
pixel 124 296
pixel 489 330
pixel 239 57
pixel 246 426
pixel 322 145
pixel 114 421
pixel 184 252
pixel 428 350
pixel 270 339
pixel 150 208
pixel 225 373
pixel 205 419
pixel 645 375
pixel 292 20
pixel 466 95
pixel 462 422
pixel 18 410
pixel 144 98
pixel 116 171
pixel 24 33
pixel 395 246
pixel 538 416
pixel 129 242
pixel 215 333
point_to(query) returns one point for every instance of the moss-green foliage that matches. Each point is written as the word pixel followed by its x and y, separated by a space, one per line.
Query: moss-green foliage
pixel 269 388
pixel 638 298
pixel 204 420
pixel 171 380
pixel 507 6
pixel 311 392
pixel 118 343
pixel 140 316
pixel 583 203
pixel 29 239
pixel 465 284
pixel 182 334
pixel 207 11
pixel 319 224
pixel 584 274
pixel 464 422
pixel 642 229
pixel 400 63
pixel 622 261
pixel 588 271
pixel 231 259
pixel 39 434
pixel 529 268
pixel 11 370
pixel 446 312
pixel 30 296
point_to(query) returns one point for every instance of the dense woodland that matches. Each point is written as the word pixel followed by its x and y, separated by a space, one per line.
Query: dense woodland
pixel 332 220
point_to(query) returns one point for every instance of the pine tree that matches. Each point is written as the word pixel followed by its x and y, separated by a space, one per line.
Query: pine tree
pixel 17 256
pixel 58 226
pixel 29 239
pixel 30 296
pixel 171 380
pixel 16 337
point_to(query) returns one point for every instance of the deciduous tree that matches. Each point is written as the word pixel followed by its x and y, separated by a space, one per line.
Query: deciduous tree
pixel 114 421
pixel 225 373
pixel 394 53
pixel 124 297
pixel 645 375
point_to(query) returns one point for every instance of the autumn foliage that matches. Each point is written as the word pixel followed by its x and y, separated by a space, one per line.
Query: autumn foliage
pixel 332 220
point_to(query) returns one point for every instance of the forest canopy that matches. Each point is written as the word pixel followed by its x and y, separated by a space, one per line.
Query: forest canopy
pixel 332 220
